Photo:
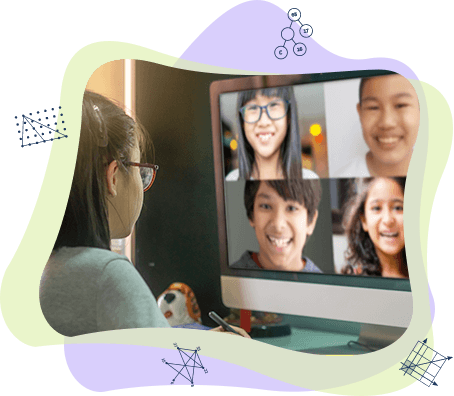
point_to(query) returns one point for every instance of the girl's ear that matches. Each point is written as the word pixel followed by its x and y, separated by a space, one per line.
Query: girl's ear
pixel 363 223
pixel 112 179
pixel 358 108
pixel 311 226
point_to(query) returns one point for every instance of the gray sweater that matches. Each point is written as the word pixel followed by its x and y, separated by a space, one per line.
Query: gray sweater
pixel 86 290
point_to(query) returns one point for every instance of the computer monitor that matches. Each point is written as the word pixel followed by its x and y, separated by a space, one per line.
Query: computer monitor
pixel 331 133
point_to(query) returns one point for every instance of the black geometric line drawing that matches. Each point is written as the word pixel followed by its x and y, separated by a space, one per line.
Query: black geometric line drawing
pixel 37 131
pixel 422 368
pixel 190 361
pixel 288 34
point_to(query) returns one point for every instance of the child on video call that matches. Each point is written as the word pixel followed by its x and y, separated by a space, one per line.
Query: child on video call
pixel 85 287
pixel 283 214
pixel 269 145
pixel 374 225
pixel 388 110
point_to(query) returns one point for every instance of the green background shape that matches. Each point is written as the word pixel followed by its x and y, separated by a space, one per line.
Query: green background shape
pixel 375 373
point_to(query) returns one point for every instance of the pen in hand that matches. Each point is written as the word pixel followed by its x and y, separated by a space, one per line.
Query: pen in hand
pixel 215 317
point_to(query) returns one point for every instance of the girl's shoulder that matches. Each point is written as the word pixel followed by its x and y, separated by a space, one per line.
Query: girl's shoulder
pixel 357 167
pixel 309 174
pixel 233 175
pixel 84 256
pixel 352 269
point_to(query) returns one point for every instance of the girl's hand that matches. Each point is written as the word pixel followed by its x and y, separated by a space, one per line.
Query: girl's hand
pixel 239 330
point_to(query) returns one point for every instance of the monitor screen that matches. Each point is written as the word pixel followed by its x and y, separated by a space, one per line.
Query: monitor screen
pixel 310 178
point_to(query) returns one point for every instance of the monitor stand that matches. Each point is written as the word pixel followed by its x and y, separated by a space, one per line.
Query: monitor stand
pixel 377 337
pixel 371 338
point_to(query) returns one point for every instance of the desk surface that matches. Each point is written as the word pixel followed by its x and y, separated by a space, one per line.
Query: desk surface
pixel 313 341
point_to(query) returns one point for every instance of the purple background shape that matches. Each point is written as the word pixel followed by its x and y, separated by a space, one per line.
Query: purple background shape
pixel 104 367
pixel 246 36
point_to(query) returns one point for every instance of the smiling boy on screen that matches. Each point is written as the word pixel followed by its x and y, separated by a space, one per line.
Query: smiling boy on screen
pixel 283 214
pixel 388 110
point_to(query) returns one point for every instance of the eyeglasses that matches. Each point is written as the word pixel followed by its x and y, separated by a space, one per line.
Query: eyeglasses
pixel 275 110
pixel 147 173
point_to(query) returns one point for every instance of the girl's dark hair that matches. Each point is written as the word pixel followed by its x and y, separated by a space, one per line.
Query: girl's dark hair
pixel 290 153
pixel 361 251
pixel 107 134
pixel 307 192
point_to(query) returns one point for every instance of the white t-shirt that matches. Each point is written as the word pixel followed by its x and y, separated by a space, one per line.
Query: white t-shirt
pixel 235 175
pixel 356 168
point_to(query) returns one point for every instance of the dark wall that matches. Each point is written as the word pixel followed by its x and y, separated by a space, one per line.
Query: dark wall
pixel 319 246
pixel 176 235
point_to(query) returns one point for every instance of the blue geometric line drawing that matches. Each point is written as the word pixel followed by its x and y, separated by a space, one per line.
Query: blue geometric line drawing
pixel 190 361
pixel 422 368
pixel 288 34
pixel 37 131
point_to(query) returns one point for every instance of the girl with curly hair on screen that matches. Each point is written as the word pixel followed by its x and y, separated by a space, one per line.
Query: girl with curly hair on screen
pixel 374 227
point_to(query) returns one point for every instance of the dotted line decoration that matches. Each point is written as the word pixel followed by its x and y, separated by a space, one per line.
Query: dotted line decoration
pixel 42 128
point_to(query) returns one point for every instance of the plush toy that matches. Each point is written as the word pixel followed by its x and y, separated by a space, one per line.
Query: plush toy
pixel 179 305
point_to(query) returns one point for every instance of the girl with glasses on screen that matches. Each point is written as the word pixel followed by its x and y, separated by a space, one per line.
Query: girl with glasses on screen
pixel 269 143
pixel 85 287
pixel 374 225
